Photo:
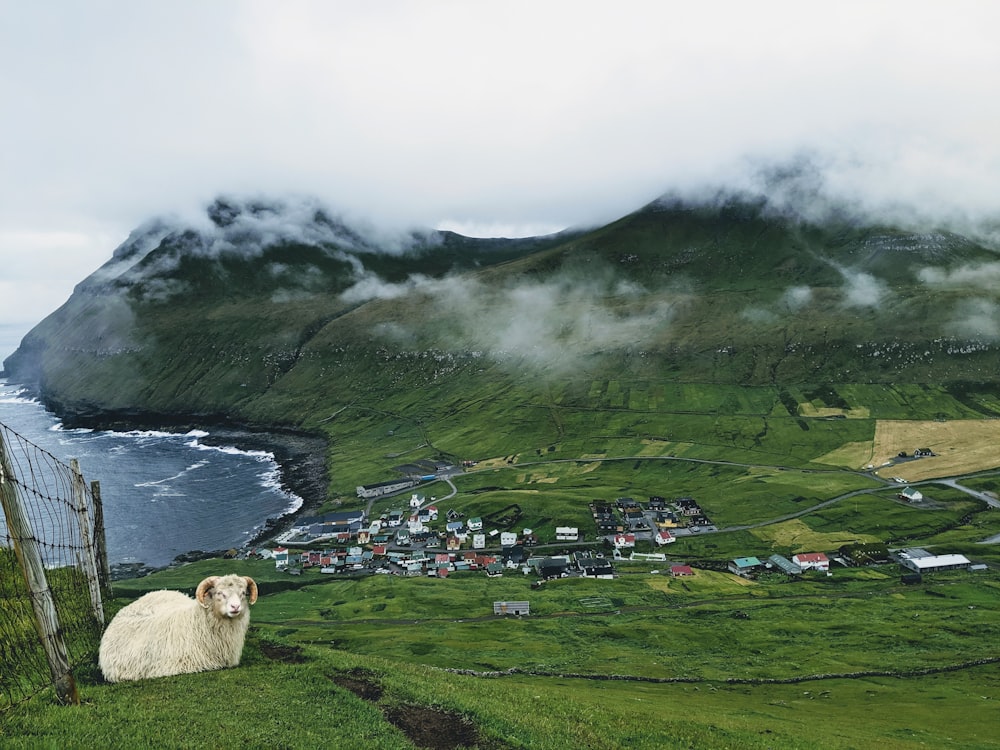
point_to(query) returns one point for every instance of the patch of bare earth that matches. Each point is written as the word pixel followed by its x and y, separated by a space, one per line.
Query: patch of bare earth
pixel 425 727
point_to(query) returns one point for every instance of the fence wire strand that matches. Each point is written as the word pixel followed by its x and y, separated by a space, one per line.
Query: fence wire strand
pixel 45 486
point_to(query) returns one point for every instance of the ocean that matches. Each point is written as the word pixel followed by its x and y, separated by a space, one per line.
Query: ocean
pixel 164 494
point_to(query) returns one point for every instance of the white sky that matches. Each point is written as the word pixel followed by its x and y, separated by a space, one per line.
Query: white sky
pixel 499 118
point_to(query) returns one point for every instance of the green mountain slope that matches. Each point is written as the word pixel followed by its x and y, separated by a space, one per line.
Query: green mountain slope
pixel 272 316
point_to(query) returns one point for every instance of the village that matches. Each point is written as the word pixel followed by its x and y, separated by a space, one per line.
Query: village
pixel 423 540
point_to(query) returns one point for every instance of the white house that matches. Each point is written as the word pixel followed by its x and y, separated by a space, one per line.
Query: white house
pixel 479 541
pixel 475 524
pixel 508 538
pixel 664 537
pixel 812 561
pixel 567 533
pixel 280 557
pixel 624 541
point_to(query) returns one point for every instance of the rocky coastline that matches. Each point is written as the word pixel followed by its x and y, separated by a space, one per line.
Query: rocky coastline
pixel 300 455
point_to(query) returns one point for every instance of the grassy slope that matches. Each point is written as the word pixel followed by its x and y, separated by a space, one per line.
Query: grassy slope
pixel 397 635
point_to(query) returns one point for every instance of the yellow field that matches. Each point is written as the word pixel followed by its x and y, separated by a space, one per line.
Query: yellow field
pixel 797 535
pixel 961 446
pixel 806 409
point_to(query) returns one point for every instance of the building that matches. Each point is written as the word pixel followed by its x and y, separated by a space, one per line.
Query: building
pixel 934 563
pixel 366 491
pixel 910 495
pixel 812 561
pixel 785 565
pixel 567 533
pixel 744 566
pixel 624 541
pixel 679 571
pixel 664 537
pixel 511 608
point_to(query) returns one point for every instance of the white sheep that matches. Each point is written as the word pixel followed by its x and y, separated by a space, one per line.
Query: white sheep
pixel 166 632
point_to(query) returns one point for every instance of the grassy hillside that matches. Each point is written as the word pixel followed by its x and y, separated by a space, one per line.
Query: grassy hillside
pixel 712 661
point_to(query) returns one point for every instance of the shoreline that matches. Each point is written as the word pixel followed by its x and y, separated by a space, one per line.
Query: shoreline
pixel 300 456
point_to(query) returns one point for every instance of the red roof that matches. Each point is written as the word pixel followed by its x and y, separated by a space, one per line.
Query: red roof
pixel 681 570
pixel 811 557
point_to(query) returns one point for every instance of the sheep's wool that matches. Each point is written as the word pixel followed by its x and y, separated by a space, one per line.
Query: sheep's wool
pixel 165 633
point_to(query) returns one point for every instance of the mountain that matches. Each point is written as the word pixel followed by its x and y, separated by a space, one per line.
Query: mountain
pixel 278 314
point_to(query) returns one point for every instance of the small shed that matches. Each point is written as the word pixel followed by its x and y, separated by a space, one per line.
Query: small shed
pixel 511 608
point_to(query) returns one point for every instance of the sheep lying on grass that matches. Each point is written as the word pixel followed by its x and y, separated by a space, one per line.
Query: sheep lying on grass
pixel 166 632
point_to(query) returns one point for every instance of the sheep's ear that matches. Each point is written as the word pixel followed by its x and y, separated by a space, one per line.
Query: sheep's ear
pixel 251 588
pixel 203 588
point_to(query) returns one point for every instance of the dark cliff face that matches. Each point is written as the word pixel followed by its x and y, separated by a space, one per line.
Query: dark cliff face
pixel 269 313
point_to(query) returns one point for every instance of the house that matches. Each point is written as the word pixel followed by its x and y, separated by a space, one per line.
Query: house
pixel 666 520
pixel 656 503
pixel 596 567
pixel 812 561
pixel 494 570
pixel 922 452
pixel 552 567
pixel 395 518
pixel 403 537
pixel 679 571
pixel 910 495
pixel 624 541
pixel 479 541
pixel 453 543
pixel 508 538
pixel 567 533
pixel 475 524
pixel 511 608
pixel 744 566
pixel 664 537
pixel 866 553
pixel 280 555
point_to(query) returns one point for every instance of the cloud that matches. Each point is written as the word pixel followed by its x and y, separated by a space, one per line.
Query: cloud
pixel 507 119
pixel 796 297
pixel 982 275
pixel 863 290
pixel 556 323
pixel 975 318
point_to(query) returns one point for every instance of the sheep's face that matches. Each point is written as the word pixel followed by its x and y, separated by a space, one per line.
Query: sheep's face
pixel 230 603
pixel 227 596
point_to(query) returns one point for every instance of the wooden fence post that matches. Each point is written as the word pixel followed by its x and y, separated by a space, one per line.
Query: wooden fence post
pixel 30 559
pixel 88 563
pixel 100 540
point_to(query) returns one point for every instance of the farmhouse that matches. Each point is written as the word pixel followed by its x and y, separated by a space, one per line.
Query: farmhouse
pixel 812 561
pixel 679 571
pixel 744 566
pixel 910 495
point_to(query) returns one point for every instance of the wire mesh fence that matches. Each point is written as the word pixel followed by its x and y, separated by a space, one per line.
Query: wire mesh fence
pixel 51 614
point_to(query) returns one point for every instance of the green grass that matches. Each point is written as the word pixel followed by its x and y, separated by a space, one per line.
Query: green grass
pixel 682 647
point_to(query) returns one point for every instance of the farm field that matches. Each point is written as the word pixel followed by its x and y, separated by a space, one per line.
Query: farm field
pixel 960 447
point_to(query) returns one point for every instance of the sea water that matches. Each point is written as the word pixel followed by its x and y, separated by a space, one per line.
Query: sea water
pixel 164 494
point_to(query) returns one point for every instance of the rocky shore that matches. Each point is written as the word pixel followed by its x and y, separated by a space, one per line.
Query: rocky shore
pixel 301 456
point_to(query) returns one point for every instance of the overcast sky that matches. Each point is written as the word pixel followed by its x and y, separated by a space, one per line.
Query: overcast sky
pixel 495 118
